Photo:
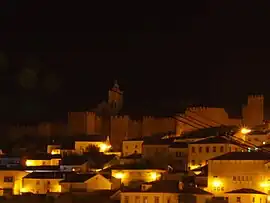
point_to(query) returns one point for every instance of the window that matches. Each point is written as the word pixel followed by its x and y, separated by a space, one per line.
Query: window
pixel 136 146
pixel 125 199
pixel 156 200
pixel 48 182
pixel 137 199
pixel 8 179
pixel 193 149
pixel 221 149
pixel 145 200
pixel 200 149
pixel 178 154
pixel 238 199
pixel 253 199
pixel 260 200
pixel 214 149
pixel 207 149
pixel 37 182
pixel 234 178
pixel 169 200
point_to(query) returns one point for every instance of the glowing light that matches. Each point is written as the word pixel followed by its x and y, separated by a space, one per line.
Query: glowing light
pixel 264 142
pixel 29 163
pixel 216 183
pixel 245 130
pixel 265 184
pixel 154 175
pixel 268 197
pixel 119 175
pixel 73 169
pixel 24 190
pixel 59 188
pixel 104 147
pixel 55 151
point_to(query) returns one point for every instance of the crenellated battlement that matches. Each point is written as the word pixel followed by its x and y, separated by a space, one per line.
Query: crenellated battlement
pixel 256 97
pixel 90 113
pixel 200 108
pixel 118 117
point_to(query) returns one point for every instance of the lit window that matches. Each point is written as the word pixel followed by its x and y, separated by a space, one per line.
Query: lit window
pixel 145 200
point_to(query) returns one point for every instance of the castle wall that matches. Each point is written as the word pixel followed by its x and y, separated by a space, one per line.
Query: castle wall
pixel 119 130
pixel 204 117
pixel 253 112
pixel 90 123
pixel 98 125
pixel 77 123
pixel 152 125
pixel 134 129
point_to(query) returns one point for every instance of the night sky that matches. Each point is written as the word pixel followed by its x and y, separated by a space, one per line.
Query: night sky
pixel 64 56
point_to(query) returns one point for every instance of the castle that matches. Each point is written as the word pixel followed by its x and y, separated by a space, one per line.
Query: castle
pixel 106 120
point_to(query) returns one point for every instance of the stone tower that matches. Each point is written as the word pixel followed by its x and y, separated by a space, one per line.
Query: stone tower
pixel 253 112
pixel 115 98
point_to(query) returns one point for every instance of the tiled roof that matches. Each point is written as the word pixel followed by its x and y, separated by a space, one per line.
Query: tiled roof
pixel 168 186
pixel 99 161
pixel 159 141
pixel 246 191
pixel 208 132
pixel 78 178
pixel 74 160
pixel 43 157
pixel 179 145
pixel 134 167
pixel 48 175
pixel 216 140
pixel 244 156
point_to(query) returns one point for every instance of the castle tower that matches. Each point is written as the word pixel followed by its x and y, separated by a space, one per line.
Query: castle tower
pixel 115 98
pixel 253 112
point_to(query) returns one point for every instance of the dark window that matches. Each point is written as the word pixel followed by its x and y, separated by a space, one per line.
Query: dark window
pixel 214 149
pixel 238 199
pixel 200 149
pixel 193 149
pixel 221 149
pixel 8 179
pixel 207 149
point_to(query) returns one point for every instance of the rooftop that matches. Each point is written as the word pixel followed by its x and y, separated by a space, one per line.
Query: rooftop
pixel 168 186
pixel 208 132
pixel 78 178
pixel 48 175
pixel 244 156
pixel 246 191
pixel 216 140
pixel 179 145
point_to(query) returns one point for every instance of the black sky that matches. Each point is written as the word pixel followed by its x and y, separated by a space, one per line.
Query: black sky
pixel 207 52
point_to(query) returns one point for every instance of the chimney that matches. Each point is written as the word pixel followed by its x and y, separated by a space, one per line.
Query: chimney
pixel 180 185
